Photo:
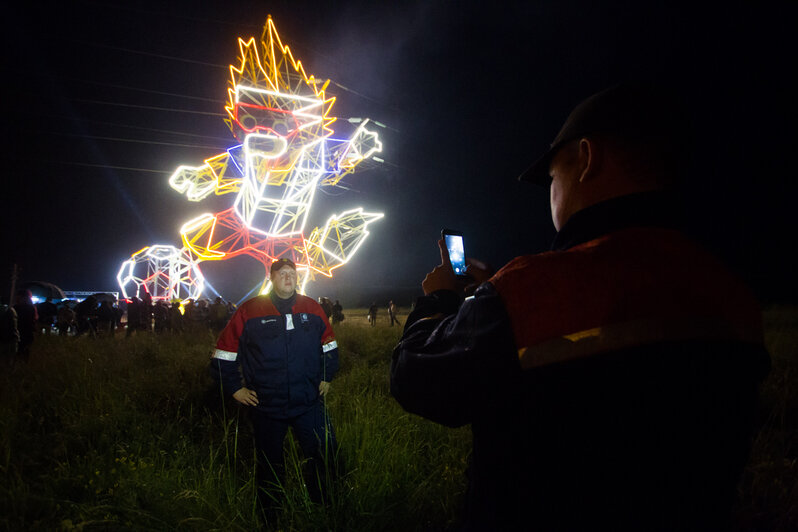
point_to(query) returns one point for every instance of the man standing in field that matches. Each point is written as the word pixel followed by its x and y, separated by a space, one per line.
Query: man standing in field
pixel 9 335
pixel 611 382
pixel 288 355
pixel 392 313
pixel 372 315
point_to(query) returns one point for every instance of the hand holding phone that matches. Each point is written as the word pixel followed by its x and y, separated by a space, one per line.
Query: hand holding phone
pixel 456 248
pixel 450 274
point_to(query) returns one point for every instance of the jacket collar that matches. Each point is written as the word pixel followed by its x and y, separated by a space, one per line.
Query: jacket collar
pixel 283 306
pixel 646 209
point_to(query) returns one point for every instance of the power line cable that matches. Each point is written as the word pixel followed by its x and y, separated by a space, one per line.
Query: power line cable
pixel 225 140
pixel 127 7
pixel 149 107
pixel 112 167
pixel 148 91
pixel 148 54
pixel 216 65
pixel 136 141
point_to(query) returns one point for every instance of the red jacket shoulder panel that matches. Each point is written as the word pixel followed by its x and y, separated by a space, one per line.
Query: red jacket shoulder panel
pixel 257 306
pixel 631 275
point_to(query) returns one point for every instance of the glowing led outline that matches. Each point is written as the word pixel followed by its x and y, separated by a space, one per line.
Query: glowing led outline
pixel 300 165
pixel 346 251
pixel 168 271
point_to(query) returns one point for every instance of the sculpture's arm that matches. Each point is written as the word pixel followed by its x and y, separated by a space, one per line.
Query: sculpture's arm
pixel 344 156
pixel 332 245
pixel 220 174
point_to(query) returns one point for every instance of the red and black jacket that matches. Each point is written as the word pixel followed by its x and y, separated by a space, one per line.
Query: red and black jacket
pixel 283 356
pixel 620 363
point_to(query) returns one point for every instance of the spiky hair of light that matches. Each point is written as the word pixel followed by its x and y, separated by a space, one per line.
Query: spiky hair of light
pixel 269 66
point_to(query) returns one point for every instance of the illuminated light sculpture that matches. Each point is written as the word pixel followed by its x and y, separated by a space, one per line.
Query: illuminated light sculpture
pixel 328 247
pixel 162 271
pixel 281 117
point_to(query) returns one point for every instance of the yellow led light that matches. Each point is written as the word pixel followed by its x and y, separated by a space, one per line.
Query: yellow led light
pixel 281 117
pixel 332 246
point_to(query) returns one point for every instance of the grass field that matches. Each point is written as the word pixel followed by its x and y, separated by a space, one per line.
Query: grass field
pixel 130 434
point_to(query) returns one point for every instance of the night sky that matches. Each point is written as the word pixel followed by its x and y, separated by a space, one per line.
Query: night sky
pixel 103 102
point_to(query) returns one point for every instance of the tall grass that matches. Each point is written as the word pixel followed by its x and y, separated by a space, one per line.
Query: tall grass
pixel 131 434
pixel 769 487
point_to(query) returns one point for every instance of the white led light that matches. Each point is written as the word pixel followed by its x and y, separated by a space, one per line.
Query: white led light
pixel 282 118
pixel 162 271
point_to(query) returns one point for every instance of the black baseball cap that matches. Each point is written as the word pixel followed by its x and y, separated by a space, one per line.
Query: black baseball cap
pixel 633 110
pixel 278 264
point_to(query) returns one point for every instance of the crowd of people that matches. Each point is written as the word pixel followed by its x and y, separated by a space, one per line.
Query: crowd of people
pixel 101 315
pixel 333 311
pixel 176 316
pixel 97 315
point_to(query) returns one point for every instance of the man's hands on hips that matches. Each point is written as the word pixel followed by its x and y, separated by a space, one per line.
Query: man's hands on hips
pixel 324 388
pixel 248 397
pixel 245 396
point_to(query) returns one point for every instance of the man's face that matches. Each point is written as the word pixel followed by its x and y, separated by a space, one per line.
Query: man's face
pixel 284 282
pixel 564 171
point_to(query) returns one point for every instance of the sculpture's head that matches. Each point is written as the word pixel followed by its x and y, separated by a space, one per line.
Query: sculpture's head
pixel 270 94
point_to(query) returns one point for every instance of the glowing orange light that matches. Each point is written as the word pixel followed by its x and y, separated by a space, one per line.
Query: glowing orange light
pixel 281 117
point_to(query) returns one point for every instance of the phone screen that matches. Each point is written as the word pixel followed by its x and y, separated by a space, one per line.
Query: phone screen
pixel 454 243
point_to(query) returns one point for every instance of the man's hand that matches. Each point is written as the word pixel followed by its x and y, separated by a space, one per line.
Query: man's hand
pixel 442 276
pixel 245 396
pixel 324 388
pixel 479 273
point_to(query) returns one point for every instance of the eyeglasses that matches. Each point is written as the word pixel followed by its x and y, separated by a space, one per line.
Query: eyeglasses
pixel 287 273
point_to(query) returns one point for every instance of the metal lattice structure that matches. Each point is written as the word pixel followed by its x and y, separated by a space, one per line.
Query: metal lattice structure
pixel 162 271
pixel 281 118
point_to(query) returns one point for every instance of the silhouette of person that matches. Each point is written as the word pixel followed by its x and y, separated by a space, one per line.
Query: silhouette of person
pixel 26 323
pixel 65 318
pixel 337 312
pixel 9 335
pixel 372 315
pixel 46 311
pixel 392 313
pixel 610 383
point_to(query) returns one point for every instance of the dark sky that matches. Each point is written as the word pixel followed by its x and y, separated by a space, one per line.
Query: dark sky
pixel 103 102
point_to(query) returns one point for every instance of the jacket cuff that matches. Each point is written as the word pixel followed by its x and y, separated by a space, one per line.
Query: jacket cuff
pixel 439 302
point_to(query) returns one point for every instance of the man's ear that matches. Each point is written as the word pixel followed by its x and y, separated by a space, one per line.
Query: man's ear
pixel 589 158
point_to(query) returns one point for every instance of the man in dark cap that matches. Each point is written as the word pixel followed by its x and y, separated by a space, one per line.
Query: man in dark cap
pixel 288 355
pixel 611 382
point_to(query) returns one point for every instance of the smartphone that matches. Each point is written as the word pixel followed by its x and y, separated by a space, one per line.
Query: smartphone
pixel 454 244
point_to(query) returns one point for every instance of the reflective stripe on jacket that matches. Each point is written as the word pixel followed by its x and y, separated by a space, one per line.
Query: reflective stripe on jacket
pixel 282 357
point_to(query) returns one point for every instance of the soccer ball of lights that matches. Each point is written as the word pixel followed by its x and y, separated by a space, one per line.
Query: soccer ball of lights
pixel 164 272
